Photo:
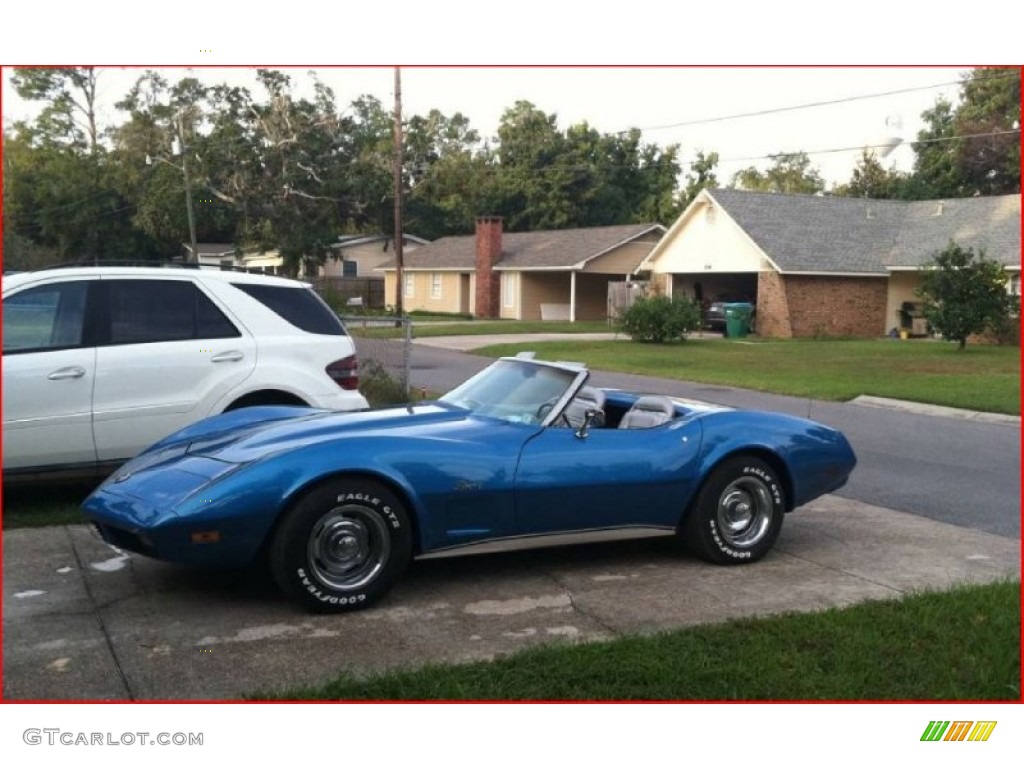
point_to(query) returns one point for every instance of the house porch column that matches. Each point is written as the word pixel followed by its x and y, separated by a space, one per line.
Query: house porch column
pixel 572 296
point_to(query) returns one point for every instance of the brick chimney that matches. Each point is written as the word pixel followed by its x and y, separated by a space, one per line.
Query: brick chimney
pixel 488 253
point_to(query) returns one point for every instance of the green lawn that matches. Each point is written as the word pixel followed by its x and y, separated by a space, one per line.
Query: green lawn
pixel 985 378
pixel 958 645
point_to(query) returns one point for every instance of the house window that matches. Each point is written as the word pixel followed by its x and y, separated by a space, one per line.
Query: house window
pixel 508 289
pixel 349 269
pixel 435 285
pixel 410 285
pixel 1014 286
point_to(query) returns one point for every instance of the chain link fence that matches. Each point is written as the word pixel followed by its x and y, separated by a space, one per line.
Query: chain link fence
pixel 384 347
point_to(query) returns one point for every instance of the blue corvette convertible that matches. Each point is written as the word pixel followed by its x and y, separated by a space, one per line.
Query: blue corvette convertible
pixel 521 455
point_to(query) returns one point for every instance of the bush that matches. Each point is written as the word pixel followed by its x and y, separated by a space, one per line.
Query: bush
pixel 966 296
pixel 378 386
pixel 658 319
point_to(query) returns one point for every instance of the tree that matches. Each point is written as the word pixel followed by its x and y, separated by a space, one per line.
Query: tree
pixel 936 173
pixel 973 148
pixel 989 163
pixel 871 179
pixel 69 116
pixel 790 174
pixel 702 176
pixel 64 200
pixel 964 295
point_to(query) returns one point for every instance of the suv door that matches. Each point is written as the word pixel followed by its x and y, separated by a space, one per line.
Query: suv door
pixel 169 353
pixel 49 367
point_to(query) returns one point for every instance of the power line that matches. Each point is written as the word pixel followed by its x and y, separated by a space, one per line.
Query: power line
pixel 808 105
pixel 568 168
pixel 859 147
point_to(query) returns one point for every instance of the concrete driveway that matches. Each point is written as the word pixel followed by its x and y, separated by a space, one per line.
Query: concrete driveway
pixel 82 621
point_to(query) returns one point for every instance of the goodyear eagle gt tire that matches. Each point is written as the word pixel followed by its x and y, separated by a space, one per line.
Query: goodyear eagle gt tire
pixel 342 546
pixel 737 514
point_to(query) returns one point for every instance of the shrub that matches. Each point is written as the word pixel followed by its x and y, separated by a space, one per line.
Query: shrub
pixel 658 319
pixel 378 386
pixel 964 295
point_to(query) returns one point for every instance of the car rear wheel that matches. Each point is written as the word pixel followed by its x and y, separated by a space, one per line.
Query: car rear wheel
pixel 342 546
pixel 737 514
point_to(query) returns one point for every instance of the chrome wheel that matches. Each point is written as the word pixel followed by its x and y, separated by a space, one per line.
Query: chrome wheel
pixel 348 547
pixel 745 509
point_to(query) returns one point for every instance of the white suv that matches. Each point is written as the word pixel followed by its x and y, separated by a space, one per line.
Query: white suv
pixel 101 362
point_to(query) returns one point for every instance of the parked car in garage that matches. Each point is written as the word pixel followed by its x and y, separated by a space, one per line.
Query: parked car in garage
pixel 714 315
pixel 101 362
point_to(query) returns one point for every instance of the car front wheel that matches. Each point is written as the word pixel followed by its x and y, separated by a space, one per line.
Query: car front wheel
pixel 342 546
pixel 737 514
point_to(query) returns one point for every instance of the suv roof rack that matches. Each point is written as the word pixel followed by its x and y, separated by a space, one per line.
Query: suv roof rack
pixel 167 264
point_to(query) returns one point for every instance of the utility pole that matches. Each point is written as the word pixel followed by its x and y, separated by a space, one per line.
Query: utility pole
pixel 194 255
pixel 399 236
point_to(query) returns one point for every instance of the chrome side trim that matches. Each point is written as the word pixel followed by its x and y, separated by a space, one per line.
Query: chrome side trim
pixel 538 540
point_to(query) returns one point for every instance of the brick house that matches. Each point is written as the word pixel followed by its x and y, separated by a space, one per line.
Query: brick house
pixel 835 266
pixel 547 275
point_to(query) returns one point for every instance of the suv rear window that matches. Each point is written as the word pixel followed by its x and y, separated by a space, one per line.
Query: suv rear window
pixel 299 306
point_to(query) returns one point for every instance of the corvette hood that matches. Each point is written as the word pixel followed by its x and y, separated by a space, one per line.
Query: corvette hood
pixel 251 442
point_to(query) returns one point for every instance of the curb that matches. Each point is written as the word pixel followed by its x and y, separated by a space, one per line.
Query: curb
pixel 936 410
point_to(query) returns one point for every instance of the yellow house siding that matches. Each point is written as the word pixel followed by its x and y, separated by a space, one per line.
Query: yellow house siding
pixel 620 261
pixel 421 300
pixel 389 288
pixel 591 297
pixel 536 288
pixel 901 288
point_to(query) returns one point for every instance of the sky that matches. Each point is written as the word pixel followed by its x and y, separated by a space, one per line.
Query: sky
pixel 656 99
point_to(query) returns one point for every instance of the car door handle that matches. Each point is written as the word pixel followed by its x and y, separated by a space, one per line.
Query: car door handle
pixel 227 357
pixel 72 372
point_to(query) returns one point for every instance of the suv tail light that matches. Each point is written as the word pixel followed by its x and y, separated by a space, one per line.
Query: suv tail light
pixel 345 372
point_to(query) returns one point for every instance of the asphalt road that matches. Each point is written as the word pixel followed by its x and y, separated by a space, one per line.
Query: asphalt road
pixel 962 472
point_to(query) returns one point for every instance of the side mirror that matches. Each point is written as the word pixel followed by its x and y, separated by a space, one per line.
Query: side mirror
pixel 588 417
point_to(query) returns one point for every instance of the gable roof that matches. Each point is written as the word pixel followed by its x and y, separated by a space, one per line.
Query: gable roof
pixel 349 241
pixel 211 249
pixel 548 249
pixel 808 233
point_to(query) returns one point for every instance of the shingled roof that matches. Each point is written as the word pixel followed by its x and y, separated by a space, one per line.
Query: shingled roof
pixel 548 249
pixel 806 233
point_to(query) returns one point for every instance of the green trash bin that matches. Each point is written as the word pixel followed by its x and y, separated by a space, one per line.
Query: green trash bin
pixel 737 319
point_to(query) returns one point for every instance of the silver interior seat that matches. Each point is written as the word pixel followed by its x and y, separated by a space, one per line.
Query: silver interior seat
pixel 588 398
pixel 648 411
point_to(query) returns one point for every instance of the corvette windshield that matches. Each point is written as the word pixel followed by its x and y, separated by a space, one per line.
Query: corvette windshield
pixel 518 391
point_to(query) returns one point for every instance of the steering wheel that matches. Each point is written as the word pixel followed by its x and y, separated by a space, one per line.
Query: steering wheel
pixel 545 408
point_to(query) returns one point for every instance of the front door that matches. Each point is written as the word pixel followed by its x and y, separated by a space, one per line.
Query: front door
pixel 48 375
pixel 612 478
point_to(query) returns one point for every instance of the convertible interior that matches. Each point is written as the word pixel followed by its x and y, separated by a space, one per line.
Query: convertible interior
pixel 619 410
